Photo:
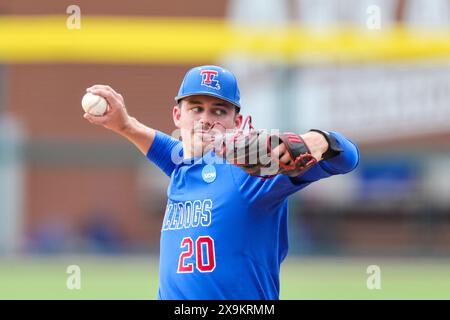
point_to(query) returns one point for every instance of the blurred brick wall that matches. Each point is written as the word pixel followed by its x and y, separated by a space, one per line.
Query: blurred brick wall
pixel 46 98
pixel 177 8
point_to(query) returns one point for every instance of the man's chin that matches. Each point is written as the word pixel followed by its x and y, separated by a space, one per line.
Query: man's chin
pixel 198 143
pixel 201 149
pixel 202 133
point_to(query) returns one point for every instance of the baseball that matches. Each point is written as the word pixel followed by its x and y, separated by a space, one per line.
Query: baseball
pixel 94 104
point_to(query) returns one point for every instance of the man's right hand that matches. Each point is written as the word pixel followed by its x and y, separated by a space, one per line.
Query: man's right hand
pixel 116 117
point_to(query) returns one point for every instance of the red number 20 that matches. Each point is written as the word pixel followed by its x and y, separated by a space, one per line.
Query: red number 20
pixel 201 243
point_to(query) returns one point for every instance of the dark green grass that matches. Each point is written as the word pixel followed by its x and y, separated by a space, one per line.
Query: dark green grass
pixel 128 277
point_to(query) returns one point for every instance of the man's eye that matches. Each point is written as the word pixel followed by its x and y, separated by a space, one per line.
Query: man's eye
pixel 196 109
pixel 220 112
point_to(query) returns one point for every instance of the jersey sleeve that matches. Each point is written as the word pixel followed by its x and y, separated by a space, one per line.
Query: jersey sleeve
pixel 256 190
pixel 164 151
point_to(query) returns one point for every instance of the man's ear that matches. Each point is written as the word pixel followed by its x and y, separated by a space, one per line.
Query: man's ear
pixel 238 120
pixel 176 113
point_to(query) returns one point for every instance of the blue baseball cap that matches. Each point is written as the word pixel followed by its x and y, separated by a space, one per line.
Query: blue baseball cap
pixel 210 81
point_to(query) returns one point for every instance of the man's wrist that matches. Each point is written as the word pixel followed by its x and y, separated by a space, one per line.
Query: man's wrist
pixel 129 127
pixel 315 143
pixel 333 148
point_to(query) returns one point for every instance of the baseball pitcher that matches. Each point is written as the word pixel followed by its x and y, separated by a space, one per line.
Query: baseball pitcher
pixel 224 233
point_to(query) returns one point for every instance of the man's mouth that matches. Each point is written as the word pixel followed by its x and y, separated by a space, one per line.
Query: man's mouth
pixel 206 131
pixel 202 134
pixel 201 129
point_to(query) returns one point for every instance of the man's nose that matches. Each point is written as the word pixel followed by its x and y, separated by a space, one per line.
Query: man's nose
pixel 205 121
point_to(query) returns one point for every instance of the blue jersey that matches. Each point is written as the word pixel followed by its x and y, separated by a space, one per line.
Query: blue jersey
pixel 224 233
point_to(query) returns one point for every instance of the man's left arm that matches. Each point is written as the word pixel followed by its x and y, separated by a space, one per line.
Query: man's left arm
pixel 338 156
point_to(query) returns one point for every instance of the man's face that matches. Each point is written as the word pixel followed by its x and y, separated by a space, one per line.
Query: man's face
pixel 195 115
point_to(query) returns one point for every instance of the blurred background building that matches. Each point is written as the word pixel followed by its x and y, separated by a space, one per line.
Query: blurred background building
pixel 376 71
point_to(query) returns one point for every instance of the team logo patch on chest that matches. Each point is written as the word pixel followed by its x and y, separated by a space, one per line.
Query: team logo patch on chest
pixel 209 173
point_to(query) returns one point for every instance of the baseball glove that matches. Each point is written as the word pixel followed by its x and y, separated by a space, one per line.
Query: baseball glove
pixel 253 151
